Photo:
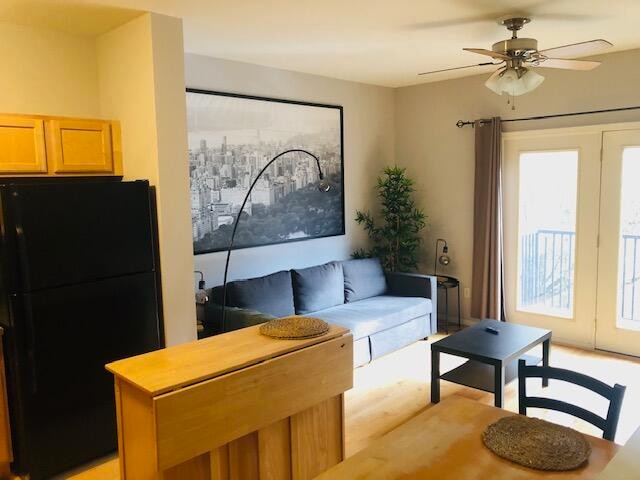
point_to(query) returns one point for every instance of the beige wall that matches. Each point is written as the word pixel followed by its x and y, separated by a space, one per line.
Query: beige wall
pixel 142 84
pixel 441 157
pixel 368 146
pixel 47 72
pixel 125 57
pixel 174 209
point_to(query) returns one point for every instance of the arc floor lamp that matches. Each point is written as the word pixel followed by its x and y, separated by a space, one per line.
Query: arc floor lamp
pixel 323 186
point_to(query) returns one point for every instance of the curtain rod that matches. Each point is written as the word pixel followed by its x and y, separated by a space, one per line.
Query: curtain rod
pixel 461 123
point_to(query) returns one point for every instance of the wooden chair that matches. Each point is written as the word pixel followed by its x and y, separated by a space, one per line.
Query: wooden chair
pixel 614 394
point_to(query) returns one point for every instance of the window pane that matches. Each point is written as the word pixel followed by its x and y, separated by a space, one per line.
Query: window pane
pixel 629 287
pixel 547 213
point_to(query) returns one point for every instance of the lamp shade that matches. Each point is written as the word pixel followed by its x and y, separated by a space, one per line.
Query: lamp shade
pixel 510 82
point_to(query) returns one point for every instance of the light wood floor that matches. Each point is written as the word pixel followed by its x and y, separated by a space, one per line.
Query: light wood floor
pixel 396 387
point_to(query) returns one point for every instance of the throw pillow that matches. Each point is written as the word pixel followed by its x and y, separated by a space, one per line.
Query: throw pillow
pixel 271 294
pixel 363 278
pixel 317 288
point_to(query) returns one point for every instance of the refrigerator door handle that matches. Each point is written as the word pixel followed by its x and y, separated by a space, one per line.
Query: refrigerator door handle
pixel 24 306
pixel 30 336
pixel 21 240
pixel 22 250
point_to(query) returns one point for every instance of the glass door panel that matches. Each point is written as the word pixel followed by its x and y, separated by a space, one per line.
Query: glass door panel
pixel 629 250
pixel 547 237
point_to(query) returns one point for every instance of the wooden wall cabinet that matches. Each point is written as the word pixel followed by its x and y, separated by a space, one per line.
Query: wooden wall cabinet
pixel 238 406
pixel 22 145
pixel 36 145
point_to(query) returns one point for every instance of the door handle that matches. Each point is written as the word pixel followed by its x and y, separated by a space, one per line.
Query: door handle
pixel 21 241
pixel 22 309
pixel 30 341
pixel 22 252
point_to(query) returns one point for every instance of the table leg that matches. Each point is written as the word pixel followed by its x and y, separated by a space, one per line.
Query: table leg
pixel 459 323
pixel 435 375
pixel 546 346
pixel 446 309
pixel 499 385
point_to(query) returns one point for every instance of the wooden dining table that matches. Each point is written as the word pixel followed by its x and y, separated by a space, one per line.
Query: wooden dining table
pixel 445 443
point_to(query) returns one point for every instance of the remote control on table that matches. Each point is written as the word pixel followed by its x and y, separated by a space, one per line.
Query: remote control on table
pixel 492 330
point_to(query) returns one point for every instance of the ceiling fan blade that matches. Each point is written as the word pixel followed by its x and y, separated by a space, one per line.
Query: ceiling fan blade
pixel 459 68
pixel 491 18
pixel 582 49
pixel 490 53
pixel 453 22
pixel 568 64
pixel 564 17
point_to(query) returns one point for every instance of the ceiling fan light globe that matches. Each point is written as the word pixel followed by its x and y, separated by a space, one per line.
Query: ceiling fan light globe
pixel 530 80
pixel 508 81
pixel 497 83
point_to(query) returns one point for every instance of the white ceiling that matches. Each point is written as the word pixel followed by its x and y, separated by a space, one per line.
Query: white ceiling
pixel 81 18
pixel 380 42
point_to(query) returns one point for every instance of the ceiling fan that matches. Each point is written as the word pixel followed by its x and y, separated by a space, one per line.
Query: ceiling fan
pixel 515 57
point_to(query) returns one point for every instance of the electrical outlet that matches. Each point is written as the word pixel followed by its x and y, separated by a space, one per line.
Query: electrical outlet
pixel 467 292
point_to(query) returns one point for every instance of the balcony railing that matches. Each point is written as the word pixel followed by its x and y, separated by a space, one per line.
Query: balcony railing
pixel 547 270
pixel 630 288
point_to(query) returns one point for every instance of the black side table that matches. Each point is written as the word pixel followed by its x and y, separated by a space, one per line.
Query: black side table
pixel 446 283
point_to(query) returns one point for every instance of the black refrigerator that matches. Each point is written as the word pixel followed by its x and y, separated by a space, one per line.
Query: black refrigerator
pixel 78 289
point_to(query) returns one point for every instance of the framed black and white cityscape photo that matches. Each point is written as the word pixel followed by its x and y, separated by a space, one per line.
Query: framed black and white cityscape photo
pixel 231 138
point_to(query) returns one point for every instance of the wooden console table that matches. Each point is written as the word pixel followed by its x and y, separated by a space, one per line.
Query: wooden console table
pixel 234 406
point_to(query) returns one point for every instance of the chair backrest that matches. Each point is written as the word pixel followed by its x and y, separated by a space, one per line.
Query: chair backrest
pixel 614 394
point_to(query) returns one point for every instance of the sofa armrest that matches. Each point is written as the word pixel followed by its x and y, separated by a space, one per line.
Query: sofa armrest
pixel 236 318
pixel 415 285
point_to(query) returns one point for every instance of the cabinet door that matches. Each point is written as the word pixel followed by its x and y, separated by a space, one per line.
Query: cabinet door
pixel 22 145
pixel 81 146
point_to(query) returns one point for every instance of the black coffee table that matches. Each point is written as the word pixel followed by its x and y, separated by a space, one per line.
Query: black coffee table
pixel 492 358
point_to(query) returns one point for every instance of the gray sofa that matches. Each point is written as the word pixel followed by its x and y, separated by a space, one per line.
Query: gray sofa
pixel 384 312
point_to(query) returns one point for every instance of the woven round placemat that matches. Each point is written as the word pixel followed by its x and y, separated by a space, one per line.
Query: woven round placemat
pixel 537 444
pixel 289 328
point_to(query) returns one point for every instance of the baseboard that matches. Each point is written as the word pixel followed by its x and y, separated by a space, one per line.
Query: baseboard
pixel 572 343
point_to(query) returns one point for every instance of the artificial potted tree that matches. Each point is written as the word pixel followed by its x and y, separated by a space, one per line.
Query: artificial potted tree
pixel 395 236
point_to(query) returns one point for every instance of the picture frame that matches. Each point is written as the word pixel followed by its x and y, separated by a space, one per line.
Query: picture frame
pixel 231 137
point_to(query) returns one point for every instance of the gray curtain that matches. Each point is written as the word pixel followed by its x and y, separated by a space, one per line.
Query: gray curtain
pixel 486 285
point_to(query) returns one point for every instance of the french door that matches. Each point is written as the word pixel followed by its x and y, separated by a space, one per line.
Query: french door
pixel 618 301
pixel 572 234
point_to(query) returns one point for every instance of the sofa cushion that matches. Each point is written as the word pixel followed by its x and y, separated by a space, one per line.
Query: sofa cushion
pixel 271 294
pixel 375 314
pixel 400 336
pixel 317 288
pixel 363 278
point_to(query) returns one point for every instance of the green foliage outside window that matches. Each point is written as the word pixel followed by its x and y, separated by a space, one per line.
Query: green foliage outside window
pixel 396 234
